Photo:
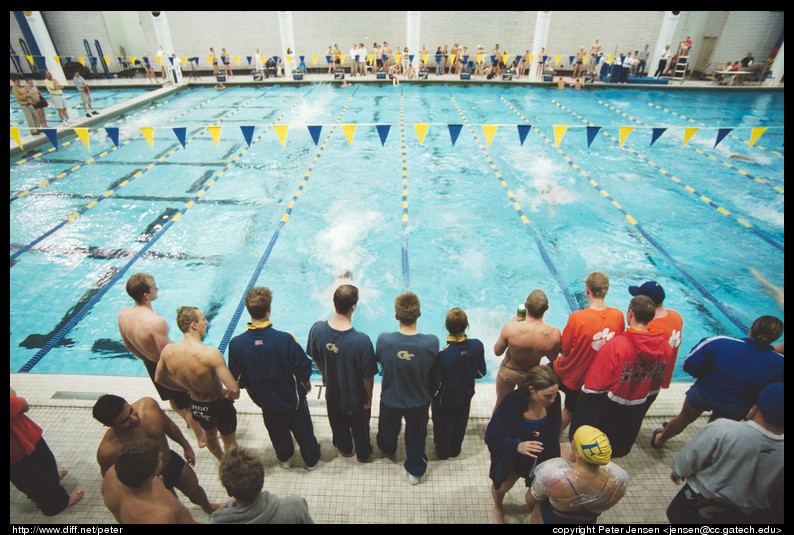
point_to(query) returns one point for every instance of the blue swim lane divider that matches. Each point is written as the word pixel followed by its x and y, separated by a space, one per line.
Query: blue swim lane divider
pixel 263 260
pixel 572 304
pixel 692 280
pixel 83 312
pixel 113 190
pixel 406 272
pixel 742 221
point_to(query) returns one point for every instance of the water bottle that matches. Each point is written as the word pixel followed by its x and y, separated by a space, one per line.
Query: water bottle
pixel 521 315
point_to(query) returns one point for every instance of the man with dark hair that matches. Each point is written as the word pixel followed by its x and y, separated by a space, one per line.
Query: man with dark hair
pixel 275 370
pixel 624 379
pixel 730 374
pixel 242 475
pixel 145 334
pixel 408 359
pixel 203 373
pixel 141 420
pixel 667 320
pixel 134 495
pixel 346 360
pixel 734 470
pixel 526 343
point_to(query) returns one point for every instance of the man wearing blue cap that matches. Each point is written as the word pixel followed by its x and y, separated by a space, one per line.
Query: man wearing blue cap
pixel 667 320
pixel 734 470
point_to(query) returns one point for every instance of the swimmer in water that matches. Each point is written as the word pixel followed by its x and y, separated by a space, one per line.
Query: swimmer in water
pixel 770 288
pixel 739 157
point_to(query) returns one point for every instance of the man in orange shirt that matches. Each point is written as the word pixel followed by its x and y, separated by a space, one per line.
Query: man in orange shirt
pixel 667 320
pixel 585 333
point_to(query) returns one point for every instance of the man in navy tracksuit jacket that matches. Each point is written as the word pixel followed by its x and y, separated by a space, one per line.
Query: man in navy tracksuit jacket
pixel 272 366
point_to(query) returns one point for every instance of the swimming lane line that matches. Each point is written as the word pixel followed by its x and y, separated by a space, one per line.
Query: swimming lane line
pixel 64 174
pixel 572 304
pixel 113 190
pixel 692 280
pixel 742 221
pixel 68 326
pixel 406 271
pixel 283 221
pixel 696 149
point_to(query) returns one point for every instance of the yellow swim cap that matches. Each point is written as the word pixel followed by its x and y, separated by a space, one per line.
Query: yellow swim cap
pixel 593 445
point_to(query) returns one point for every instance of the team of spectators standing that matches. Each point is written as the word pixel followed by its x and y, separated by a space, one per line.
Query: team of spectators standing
pixel 610 371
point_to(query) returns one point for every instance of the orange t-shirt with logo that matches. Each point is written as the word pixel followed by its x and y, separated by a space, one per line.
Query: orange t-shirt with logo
pixel 585 333
pixel 671 325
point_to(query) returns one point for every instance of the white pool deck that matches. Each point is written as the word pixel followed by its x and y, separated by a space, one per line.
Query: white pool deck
pixel 340 490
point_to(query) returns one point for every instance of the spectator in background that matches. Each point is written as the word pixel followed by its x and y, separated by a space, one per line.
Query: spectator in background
pixel 23 98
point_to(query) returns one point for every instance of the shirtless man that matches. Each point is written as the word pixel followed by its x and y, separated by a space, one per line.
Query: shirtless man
pixel 134 494
pixel 144 419
pixel 526 343
pixel 577 63
pixel 595 50
pixel 145 334
pixel 204 374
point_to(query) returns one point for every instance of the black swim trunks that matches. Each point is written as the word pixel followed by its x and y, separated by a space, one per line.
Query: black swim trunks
pixel 175 465
pixel 211 414
pixel 180 399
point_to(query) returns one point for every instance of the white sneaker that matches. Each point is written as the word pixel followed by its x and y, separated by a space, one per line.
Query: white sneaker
pixel 310 468
pixel 412 479
pixel 285 464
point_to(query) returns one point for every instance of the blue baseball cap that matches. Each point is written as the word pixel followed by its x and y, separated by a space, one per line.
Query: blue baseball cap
pixel 650 289
pixel 770 403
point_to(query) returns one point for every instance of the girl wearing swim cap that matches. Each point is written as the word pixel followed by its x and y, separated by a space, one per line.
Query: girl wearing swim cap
pixel 580 490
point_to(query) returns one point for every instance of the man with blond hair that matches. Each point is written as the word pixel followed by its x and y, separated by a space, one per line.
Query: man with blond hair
pixel 203 373
pixel 583 336
pixel 408 359
pixel 526 342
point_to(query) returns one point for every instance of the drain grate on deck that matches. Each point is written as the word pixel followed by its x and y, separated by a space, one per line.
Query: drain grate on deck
pixel 77 395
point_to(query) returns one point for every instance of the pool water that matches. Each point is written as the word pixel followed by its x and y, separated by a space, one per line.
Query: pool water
pixel 473 224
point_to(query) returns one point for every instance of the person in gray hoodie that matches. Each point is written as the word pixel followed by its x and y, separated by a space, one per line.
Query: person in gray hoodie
pixel 243 477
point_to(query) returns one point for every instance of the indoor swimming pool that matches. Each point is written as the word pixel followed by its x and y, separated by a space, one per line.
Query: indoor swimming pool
pixel 469 196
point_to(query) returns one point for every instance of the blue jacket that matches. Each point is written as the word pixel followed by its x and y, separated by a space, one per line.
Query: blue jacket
pixel 506 430
pixel 459 364
pixel 271 365
pixel 734 371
